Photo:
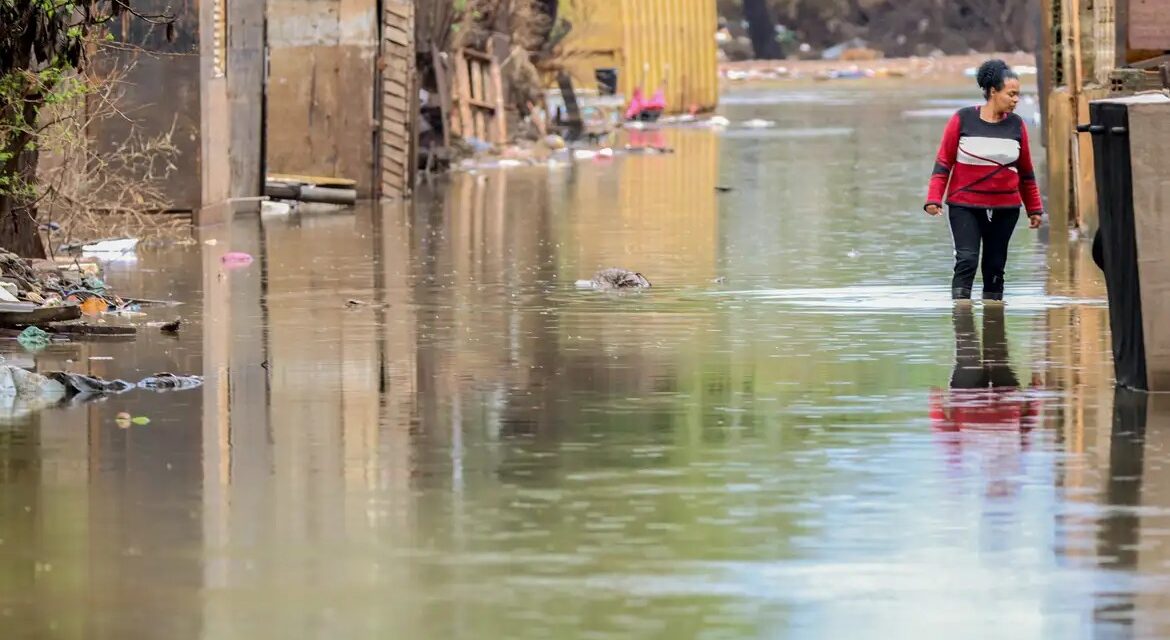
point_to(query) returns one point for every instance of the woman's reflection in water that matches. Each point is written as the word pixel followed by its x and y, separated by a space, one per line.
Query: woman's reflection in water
pixel 985 407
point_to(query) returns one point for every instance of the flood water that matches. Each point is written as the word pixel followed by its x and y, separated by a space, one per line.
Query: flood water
pixel 483 451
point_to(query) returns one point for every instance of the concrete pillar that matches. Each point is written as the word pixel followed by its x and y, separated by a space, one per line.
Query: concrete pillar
pixel 214 121
pixel 246 61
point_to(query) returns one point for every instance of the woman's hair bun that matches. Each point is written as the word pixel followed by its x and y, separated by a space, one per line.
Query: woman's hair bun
pixel 992 74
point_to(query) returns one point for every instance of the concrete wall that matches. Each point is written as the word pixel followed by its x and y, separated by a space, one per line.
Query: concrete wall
pixel 182 86
pixel 159 92
pixel 321 88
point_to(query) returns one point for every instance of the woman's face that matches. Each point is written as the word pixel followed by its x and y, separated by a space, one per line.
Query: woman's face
pixel 1006 99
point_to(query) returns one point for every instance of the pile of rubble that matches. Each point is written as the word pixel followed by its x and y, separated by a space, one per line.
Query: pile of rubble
pixel 23 392
pixel 57 294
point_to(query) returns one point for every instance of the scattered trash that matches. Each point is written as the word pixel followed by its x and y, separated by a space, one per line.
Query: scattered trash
pixel 33 338
pixel 838 52
pixel 757 123
pixel 77 384
pixel 477 145
pixel 172 327
pixel 721 189
pixel 854 253
pixel 852 73
pixel 125 420
pixel 615 279
pixel 170 382
pixel 7 295
pixel 236 259
pixel 211 243
pixel 720 280
pixel 18 383
pixel 94 306
pixel 115 246
pixel 126 312
pixel 23 391
pixel 271 207
pixel 354 304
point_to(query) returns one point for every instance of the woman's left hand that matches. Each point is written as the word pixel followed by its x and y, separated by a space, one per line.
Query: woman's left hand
pixel 1035 220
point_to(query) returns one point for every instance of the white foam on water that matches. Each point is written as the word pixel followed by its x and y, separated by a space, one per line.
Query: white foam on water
pixel 788 133
pixel 929 113
pixel 787 97
pixel 867 299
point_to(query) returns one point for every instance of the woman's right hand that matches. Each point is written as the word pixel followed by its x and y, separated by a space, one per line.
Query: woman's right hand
pixel 933 210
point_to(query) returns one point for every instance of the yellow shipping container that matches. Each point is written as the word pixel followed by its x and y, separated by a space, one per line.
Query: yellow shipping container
pixel 651 43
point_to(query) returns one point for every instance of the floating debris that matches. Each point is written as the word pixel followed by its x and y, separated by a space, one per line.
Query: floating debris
pixel 170 382
pixel 33 338
pixel 615 279
pixel 236 259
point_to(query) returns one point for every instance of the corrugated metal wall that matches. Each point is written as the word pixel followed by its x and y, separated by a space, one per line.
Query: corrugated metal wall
pixel 650 42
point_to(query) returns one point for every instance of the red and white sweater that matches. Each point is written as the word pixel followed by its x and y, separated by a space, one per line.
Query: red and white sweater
pixel 988 165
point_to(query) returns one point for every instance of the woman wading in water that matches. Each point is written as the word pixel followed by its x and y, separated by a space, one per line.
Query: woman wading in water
pixel 984 175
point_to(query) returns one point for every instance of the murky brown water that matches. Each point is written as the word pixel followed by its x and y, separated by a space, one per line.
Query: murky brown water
pixel 495 454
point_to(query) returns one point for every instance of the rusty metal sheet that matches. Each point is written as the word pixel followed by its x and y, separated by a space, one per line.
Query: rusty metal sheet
pixel 1149 24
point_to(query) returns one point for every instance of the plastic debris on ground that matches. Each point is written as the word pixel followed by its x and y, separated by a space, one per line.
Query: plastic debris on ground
pixel 51 291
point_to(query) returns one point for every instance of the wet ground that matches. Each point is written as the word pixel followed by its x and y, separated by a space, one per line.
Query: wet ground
pixel 483 451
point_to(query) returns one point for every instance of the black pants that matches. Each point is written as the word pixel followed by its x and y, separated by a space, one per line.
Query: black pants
pixel 991 228
pixel 986 367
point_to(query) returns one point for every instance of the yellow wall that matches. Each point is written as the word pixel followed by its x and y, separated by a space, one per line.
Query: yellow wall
pixel 649 42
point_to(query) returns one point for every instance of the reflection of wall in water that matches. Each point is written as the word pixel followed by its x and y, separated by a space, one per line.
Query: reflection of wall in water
pixel 649 214
pixel 1079 350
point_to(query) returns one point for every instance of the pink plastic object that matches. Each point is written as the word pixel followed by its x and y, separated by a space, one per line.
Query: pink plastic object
pixel 236 260
pixel 636 105
pixel 658 102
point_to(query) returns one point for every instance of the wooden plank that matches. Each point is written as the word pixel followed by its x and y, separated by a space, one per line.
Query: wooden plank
pixel 499 117
pixel 477 85
pixel 398 106
pixel 463 94
pixel 498 47
pixel 317 180
pixel 482 104
pixel 443 80
pixel 477 55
